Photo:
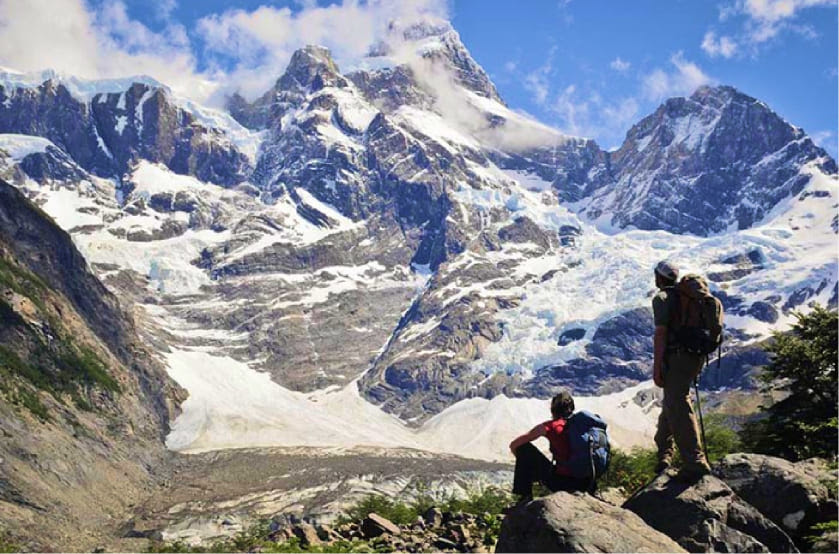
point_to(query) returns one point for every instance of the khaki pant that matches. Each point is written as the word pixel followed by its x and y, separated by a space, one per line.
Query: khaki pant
pixel 677 420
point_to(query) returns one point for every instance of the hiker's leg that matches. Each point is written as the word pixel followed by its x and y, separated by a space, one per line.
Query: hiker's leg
pixel 528 469
pixel 683 368
pixel 569 484
pixel 664 438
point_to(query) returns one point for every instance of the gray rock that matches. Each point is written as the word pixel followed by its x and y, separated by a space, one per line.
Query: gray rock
pixel 707 516
pixel 764 311
pixel 433 517
pixel 565 522
pixel 793 496
pixel 307 534
pixel 375 525
pixel 571 335
pixel 828 542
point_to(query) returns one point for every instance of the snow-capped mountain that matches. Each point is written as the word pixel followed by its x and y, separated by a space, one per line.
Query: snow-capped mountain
pixel 396 240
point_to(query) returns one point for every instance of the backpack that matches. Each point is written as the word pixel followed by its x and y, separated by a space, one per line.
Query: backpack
pixel 697 317
pixel 588 442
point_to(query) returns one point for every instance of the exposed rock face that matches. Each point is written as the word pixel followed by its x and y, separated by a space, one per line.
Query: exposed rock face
pixel 618 352
pixel 574 522
pixel 793 495
pixel 106 134
pixel 83 405
pixel 707 516
pixel 705 163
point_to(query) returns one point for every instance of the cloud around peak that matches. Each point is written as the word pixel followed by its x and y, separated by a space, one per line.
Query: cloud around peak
pixel 244 50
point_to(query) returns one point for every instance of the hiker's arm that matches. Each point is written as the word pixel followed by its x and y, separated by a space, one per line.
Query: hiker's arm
pixel 535 433
pixel 659 347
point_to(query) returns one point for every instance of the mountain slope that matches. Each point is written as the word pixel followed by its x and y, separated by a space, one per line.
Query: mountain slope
pixel 76 385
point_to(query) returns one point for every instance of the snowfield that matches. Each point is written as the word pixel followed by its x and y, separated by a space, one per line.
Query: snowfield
pixel 232 406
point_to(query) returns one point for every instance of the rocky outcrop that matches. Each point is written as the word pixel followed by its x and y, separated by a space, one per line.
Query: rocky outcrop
pixel 106 134
pixel 707 516
pixel 793 495
pixel 566 522
pixel 715 159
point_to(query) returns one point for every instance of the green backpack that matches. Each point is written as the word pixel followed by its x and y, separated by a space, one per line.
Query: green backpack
pixel 697 320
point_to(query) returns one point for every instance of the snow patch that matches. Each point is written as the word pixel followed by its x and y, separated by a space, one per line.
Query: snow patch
pixel 18 147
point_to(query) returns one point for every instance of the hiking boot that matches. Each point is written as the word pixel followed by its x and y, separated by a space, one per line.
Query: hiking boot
pixel 693 473
pixel 661 467
pixel 518 504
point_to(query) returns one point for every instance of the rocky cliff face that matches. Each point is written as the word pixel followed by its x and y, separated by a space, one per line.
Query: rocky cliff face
pixel 108 131
pixel 76 385
pixel 404 233
pixel 717 160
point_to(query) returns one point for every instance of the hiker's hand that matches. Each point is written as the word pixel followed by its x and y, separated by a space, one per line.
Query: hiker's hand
pixel 658 376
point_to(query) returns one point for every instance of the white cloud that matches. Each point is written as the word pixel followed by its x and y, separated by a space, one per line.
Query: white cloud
pixel 66 36
pixel 262 41
pixel 620 65
pixel 165 8
pixel 588 114
pixel 825 139
pixel 573 114
pixel 723 46
pixel 102 40
pixel 537 82
pixel 683 79
pixel 766 19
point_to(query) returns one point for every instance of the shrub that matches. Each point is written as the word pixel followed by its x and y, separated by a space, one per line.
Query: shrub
pixel 803 364
pixel 630 471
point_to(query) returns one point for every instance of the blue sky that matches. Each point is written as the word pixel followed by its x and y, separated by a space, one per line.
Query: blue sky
pixel 588 67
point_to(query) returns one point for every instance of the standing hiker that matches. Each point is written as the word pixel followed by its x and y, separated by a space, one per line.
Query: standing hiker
pixel 675 365
pixel 579 445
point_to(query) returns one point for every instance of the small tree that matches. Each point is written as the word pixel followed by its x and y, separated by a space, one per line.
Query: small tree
pixel 804 363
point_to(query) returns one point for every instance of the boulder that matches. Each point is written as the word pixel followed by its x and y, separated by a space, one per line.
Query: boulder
pixel 793 495
pixel 706 516
pixel 577 522
pixel 307 534
pixel 433 517
pixel 375 525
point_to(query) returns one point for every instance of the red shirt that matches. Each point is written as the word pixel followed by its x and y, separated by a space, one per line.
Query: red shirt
pixel 554 431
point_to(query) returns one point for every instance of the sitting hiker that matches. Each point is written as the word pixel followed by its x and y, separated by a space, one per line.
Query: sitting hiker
pixel 579 446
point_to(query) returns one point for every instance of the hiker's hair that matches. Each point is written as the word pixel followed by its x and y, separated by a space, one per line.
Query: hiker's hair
pixel 665 282
pixel 562 405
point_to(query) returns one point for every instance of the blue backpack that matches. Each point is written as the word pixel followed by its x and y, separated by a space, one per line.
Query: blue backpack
pixel 589 445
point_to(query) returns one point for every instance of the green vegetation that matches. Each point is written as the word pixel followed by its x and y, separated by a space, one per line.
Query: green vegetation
pixel 489 501
pixel 82 365
pixel 722 438
pixel 631 471
pixel 7 544
pixel 804 362
pixel 75 368
pixel 22 282
pixel 49 359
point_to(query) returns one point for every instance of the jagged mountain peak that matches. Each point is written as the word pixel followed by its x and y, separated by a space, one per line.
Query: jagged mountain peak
pixel 310 68
pixel 80 88
pixel 713 121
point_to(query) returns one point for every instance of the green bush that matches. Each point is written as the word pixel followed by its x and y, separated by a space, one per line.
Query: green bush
pixel 722 438
pixel 803 364
pixel 398 512
pixel 630 471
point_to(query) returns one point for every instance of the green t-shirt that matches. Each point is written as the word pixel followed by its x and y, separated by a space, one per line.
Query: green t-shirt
pixel 661 308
